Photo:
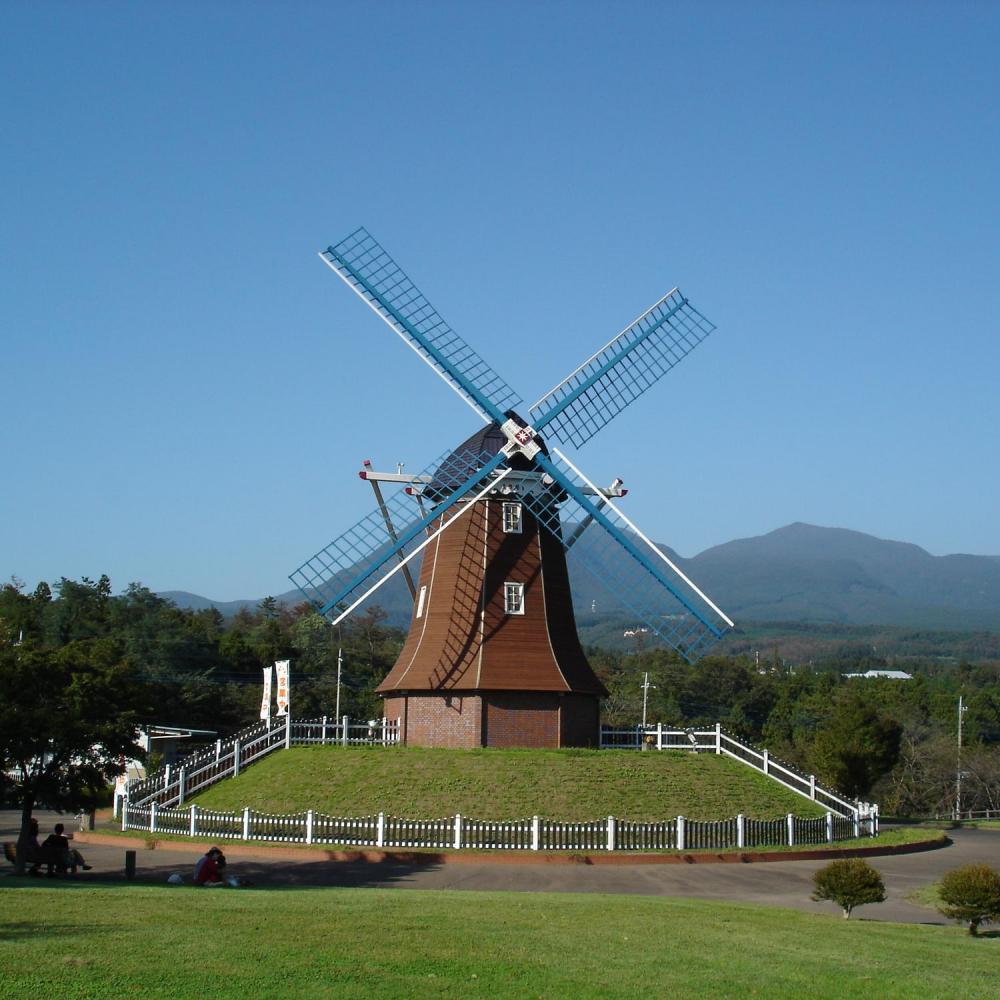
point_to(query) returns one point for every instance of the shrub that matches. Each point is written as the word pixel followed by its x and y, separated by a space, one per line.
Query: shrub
pixel 971 893
pixel 849 883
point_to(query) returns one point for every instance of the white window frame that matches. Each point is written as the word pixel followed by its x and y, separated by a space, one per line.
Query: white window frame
pixel 421 597
pixel 512 527
pixel 511 589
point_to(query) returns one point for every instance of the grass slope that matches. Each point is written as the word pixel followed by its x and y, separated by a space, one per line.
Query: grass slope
pixel 567 785
pixel 75 941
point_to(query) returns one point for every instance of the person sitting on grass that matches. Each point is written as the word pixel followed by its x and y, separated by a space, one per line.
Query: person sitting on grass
pixel 60 855
pixel 208 871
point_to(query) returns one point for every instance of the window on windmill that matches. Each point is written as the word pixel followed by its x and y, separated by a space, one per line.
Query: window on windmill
pixel 513 598
pixel 512 518
pixel 420 602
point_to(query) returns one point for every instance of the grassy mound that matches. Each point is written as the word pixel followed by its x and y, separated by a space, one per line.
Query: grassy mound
pixel 80 941
pixel 566 785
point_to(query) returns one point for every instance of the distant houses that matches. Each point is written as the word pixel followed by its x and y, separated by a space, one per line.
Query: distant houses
pixel 893 675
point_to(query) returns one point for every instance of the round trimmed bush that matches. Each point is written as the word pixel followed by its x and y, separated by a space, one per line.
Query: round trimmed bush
pixel 849 883
pixel 971 893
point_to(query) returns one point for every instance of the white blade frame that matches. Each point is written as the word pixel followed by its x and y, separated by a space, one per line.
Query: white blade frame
pixel 396 329
pixel 430 538
pixel 652 547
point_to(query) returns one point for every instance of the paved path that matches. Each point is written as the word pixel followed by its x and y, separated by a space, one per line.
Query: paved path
pixel 780 883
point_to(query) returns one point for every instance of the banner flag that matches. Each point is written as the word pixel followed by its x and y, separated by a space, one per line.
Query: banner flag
pixel 265 704
pixel 282 673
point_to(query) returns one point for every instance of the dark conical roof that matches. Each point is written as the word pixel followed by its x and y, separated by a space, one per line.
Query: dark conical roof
pixel 471 455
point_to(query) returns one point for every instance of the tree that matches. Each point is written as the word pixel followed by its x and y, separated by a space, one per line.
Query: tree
pixel 856 745
pixel 849 883
pixel 68 722
pixel 971 893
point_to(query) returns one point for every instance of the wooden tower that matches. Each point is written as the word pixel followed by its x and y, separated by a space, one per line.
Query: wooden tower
pixel 492 657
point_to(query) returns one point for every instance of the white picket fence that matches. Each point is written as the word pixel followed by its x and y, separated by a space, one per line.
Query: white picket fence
pixel 535 834
pixel 171 787
pixel 718 741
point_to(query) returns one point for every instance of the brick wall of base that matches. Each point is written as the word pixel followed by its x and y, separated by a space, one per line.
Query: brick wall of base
pixel 539 719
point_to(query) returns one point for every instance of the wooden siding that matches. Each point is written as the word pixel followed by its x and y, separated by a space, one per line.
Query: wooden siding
pixel 465 641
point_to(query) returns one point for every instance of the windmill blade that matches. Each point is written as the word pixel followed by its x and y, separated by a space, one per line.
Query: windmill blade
pixel 621 371
pixel 376 278
pixel 649 583
pixel 352 567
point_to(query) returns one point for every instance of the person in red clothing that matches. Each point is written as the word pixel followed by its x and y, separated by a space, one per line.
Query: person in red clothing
pixel 208 870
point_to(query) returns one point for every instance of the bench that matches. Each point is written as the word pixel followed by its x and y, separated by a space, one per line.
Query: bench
pixel 35 859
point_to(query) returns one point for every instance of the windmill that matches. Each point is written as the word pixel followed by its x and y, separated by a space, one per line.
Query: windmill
pixel 492 655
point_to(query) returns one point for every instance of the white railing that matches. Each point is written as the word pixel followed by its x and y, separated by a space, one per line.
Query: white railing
pixel 170 786
pixel 535 834
pixel 971 814
pixel 718 741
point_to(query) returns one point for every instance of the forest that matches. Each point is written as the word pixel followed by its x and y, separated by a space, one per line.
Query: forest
pixel 894 741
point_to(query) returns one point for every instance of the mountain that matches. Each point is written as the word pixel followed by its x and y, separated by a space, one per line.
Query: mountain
pixel 805 573
pixel 797 573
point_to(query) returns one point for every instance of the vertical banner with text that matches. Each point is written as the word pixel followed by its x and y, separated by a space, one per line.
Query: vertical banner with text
pixel 265 704
pixel 281 673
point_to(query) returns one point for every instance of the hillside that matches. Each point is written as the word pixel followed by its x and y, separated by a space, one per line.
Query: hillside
pixel 567 785
pixel 799 573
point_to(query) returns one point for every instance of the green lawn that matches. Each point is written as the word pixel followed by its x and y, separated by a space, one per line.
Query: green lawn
pixel 77 941
pixel 567 785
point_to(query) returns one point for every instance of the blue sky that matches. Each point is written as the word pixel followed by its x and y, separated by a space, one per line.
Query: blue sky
pixel 188 391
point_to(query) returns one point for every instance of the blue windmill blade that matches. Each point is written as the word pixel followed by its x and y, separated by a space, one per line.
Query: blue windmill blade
pixel 354 565
pixel 621 371
pixel 376 278
pixel 648 583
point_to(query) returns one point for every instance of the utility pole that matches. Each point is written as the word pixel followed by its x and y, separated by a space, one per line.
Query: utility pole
pixel 958 771
pixel 645 695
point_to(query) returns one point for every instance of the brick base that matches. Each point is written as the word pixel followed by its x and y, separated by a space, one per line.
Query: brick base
pixel 539 719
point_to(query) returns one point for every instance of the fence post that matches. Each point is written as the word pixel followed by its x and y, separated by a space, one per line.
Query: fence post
pixel 791 830
pixel 236 758
pixel 659 736
pixel 857 825
pixel 124 814
pixel 812 787
pixel 180 788
pixel 458 831
pixel 152 817
pixel 309 827
pixel 380 825
pixel 766 757
pixel 322 733
pixel 681 824
pixel 218 750
pixel 343 731
pixel 288 730
pixel 536 833
pixel 741 831
pixel 194 820
pixel 246 822
pixel 829 827
pixel 718 737
pixel 612 830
